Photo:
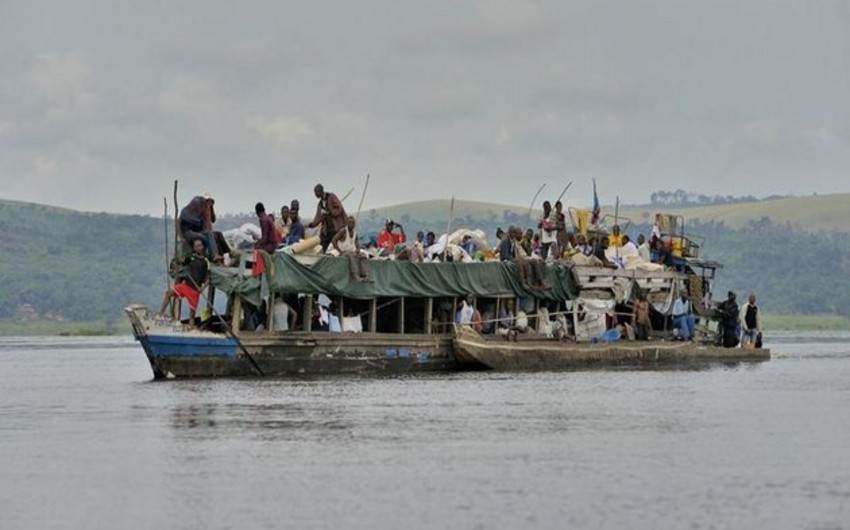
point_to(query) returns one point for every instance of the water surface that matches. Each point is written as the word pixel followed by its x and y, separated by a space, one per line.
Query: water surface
pixel 87 440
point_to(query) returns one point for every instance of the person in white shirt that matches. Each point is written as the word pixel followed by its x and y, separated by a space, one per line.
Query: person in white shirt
pixel 643 249
pixel 683 316
pixel 463 316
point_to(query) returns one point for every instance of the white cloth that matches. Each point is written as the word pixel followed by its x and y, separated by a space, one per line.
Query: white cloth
pixel 352 324
pixel 548 236
pixel 280 322
pixel 348 242
pixel 464 316
pixel 644 252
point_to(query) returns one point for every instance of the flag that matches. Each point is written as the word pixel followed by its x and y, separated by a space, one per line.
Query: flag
pixel 597 210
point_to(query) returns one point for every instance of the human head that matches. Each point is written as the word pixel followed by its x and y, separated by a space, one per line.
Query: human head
pixel 615 230
pixel 350 222
pixel 500 233
pixel 581 239
pixel 198 246
pixel 752 298
pixel 559 206
pixel 319 190
pixel 731 296
pixel 389 224
pixel 420 236
pixel 529 234
pixel 626 239
pixel 430 237
pixel 259 208
pixel 641 239
pixel 470 299
pixel 294 206
pixel 547 206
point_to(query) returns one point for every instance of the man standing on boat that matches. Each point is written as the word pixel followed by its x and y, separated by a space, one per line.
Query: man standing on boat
pixel 729 319
pixel 749 316
pixel 195 271
pixel 329 213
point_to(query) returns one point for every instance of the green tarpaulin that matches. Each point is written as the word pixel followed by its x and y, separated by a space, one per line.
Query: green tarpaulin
pixel 329 275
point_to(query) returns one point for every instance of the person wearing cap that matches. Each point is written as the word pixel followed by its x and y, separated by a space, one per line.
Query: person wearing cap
pixel 387 239
pixel 196 220
pixel 330 214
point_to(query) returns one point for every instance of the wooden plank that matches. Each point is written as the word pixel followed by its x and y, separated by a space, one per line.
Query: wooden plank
pixel 401 315
pixel 373 315
pixel 236 316
pixel 429 315
pixel 307 324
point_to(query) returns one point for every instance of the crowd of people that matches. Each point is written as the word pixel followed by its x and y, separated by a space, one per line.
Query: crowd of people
pixel 530 250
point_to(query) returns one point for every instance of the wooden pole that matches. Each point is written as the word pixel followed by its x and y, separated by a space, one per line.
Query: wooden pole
pixel 373 315
pixel 429 315
pixel 307 325
pixel 531 206
pixel 563 192
pixel 362 197
pixel 401 315
pixel 176 221
pixel 165 227
pixel 616 220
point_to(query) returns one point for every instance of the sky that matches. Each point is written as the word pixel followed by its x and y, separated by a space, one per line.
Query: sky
pixel 103 104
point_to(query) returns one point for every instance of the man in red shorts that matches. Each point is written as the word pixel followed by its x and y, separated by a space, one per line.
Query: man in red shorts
pixel 195 272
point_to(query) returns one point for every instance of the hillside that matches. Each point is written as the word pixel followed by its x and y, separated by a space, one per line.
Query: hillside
pixel 63 265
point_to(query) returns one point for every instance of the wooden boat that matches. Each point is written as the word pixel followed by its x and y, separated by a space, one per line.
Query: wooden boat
pixel 404 317
pixel 539 353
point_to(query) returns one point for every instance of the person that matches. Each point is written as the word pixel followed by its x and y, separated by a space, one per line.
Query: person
pixel 640 317
pixel 627 249
pixel 196 220
pixel 465 311
pixel 196 277
pixel 643 249
pixel 561 234
pixel 283 223
pixel 505 322
pixel 749 316
pixel 729 320
pixel 548 234
pixel 468 245
pixel 285 316
pixel 345 242
pixel 583 246
pixel 477 322
pixel 683 316
pixel 615 239
pixel 527 242
pixel 267 241
pixel 387 239
pixel 296 229
pixel 330 214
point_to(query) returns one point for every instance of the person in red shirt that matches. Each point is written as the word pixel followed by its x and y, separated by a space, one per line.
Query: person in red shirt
pixel 387 239
pixel 268 240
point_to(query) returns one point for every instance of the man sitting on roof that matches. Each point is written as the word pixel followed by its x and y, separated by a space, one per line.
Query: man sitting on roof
pixel 387 240
pixel 283 223
pixel 615 239
pixel 195 270
pixel 268 240
pixel 296 228
pixel 345 242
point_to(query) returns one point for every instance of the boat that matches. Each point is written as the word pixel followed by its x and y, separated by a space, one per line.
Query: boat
pixel 540 353
pixel 402 320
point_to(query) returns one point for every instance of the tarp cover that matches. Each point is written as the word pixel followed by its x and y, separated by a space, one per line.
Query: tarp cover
pixel 329 275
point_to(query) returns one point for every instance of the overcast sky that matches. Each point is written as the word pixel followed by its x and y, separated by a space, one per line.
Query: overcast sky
pixel 104 103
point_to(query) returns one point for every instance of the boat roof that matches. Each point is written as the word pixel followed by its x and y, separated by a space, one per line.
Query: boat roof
pixel 329 275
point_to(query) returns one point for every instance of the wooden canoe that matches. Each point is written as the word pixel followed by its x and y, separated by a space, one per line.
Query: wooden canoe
pixel 497 353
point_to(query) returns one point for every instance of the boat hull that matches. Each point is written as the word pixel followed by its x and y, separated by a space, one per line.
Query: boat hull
pixel 499 354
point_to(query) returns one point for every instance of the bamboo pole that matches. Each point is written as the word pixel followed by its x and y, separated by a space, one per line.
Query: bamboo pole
pixel 531 206
pixel 165 227
pixel 362 197
pixel 563 192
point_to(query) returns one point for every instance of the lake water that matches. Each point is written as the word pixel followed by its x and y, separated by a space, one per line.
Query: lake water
pixel 89 441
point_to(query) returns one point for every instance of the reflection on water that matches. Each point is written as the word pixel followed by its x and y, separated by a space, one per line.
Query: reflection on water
pixel 746 446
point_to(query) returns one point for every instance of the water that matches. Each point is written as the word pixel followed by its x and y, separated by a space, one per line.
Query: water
pixel 87 440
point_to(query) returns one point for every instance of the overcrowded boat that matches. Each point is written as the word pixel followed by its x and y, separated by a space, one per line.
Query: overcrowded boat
pixel 294 309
